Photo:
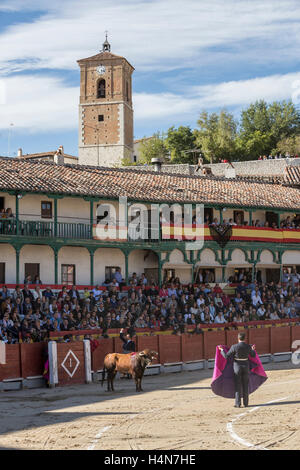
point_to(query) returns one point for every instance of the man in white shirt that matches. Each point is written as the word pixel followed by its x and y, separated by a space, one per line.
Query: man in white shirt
pixel 97 292
pixel 256 298
pixel 261 311
pixel 220 318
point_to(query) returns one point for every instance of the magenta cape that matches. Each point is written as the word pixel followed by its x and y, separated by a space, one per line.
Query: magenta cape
pixel 223 377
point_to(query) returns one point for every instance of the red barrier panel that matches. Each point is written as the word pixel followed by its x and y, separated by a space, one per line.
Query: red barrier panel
pixel 232 337
pixel 169 348
pixel 148 342
pixel 12 368
pixel 106 346
pixel 280 339
pixel 192 347
pixel 295 334
pixel 118 344
pixel 70 363
pixel 211 340
pixel 261 338
pixel 32 359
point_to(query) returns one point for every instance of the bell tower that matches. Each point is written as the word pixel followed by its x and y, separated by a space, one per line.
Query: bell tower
pixel 105 109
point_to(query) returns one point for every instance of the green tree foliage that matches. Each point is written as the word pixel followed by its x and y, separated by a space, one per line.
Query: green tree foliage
pixel 217 136
pixel 288 146
pixel 179 142
pixel 264 125
pixel 262 129
pixel 155 147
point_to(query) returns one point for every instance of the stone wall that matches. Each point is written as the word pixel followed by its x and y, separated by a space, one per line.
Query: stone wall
pixel 268 168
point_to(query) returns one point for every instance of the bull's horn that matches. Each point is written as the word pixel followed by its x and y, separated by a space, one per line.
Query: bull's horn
pixel 141 354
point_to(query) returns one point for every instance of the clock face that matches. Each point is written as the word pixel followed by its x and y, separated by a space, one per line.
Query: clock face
pixel 101 69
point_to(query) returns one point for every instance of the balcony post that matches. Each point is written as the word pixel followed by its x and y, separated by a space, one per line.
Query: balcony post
pixel 18 249
pixel 281 267
pixel 92 253
pixel 253 271
pixel 55 217
pixel 55 198
pixel 55 250
pixel 250 218
pixel 126 254
pixel 159 268
pixel 221 215
pixel 91 226
pixel 17 214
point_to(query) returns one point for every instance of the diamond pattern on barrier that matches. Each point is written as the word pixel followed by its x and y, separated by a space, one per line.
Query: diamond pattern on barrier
pixel 70 363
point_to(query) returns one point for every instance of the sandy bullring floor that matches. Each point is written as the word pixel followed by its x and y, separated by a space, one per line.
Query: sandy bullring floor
pixel 175 411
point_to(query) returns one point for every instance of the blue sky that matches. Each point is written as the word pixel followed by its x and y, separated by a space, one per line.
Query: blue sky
pixel 188 56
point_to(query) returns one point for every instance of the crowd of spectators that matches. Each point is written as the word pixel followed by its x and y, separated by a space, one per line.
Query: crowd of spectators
pixel 29 315
pixel 290 223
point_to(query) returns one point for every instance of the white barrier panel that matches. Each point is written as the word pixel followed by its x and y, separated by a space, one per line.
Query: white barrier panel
pixel 87 360
pixel 53 371
pixel 2 353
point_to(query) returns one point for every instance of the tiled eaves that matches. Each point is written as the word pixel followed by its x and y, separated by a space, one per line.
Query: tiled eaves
pixel 82 180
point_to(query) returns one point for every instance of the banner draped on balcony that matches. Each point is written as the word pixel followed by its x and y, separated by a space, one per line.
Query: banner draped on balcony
pixel 221 234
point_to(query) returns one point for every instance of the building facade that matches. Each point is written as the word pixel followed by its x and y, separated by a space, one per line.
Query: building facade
pixel 57 211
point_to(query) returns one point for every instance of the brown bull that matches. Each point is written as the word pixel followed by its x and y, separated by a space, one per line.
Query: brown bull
pixel 133 363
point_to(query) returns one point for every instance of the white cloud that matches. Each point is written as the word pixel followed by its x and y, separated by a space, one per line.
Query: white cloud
pixel 233 94
pixel 43 103
pixel 35 103
pixel 153 35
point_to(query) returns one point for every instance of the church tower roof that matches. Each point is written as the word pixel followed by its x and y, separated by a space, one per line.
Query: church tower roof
pixel 104 54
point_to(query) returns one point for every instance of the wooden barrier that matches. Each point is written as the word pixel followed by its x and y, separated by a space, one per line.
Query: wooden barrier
pixel 70 363
pixel 295 333
pixel 27 359
pixel 192 347
pixel 231 337
pixel 261 338
pixel 32 359
pixel 12 368
pixel 280 339
pixel 169 348
pixel 105 346
pixel 211 340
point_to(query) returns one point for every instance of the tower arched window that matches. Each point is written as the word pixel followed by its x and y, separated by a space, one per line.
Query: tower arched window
pixel 101 89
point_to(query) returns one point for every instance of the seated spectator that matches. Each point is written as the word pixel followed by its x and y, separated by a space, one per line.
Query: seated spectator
pixel 220 318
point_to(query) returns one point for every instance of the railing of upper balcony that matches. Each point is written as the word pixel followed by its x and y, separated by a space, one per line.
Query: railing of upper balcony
pixel 152 234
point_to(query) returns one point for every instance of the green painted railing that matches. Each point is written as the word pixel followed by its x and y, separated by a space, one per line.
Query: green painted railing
pixel 42 229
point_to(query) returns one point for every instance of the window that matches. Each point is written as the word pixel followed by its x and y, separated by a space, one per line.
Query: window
pixel 2 273
pixel 100 117
pixel 2 204
pixel 110 271
pixel 169 274
pixel 101 89
pixel 32 270
pixel 68 274
pixel 46 210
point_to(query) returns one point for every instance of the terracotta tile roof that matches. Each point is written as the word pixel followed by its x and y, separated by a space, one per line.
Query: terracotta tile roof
pixel 46 154
pixel 292 175
pixel 102 56
pixel 47 177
